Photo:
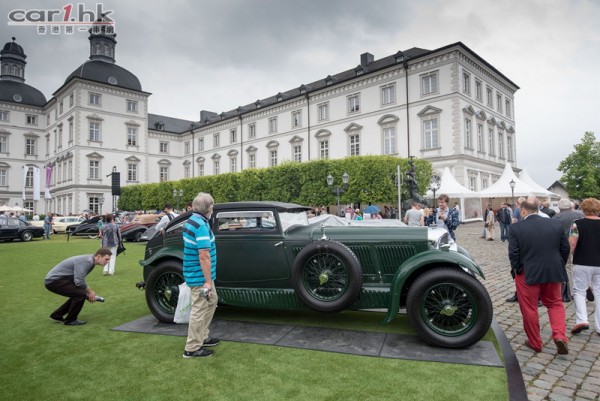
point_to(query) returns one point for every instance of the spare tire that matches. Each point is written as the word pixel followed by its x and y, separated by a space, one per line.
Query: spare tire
pixel 327 276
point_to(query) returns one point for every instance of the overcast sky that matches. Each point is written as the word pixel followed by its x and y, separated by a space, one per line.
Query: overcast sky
pixel 219 54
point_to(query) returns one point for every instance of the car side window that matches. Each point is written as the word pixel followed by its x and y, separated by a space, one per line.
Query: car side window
pixel 246 221
pixel 3 221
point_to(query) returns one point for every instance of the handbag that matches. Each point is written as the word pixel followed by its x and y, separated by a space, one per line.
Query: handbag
pixel 120 248
pixel 184 304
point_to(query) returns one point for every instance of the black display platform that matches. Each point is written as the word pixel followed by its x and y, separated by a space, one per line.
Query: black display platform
pixel 365 343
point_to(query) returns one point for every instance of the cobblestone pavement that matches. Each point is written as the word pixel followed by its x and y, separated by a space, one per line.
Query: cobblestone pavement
pixel 547 375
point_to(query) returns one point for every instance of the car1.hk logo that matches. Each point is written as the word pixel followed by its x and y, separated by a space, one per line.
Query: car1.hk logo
pixel 68 19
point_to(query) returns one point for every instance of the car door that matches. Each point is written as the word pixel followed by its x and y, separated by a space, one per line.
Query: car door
pixel 250 249
pixel 11 230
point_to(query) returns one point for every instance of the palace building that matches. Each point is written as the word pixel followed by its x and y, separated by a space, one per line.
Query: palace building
pixel 447 105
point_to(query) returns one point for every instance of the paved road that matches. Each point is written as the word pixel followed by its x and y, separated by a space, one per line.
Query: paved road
pixel 547 375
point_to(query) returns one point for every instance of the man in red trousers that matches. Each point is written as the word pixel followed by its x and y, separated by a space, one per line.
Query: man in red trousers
pixel 538 250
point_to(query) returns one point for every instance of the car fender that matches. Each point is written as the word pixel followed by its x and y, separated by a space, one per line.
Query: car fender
pixel 163 254
pixel 422 261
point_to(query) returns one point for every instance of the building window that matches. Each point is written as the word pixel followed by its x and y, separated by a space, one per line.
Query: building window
pixel 95 99
pixel 272 125
pixel 429 83
pixel 251 131
pixel 94 204
pixel 186 148
pixel 163 147
pixel 31 119
pixel 4 115
pixel 200 143
pixel 233 165
pixel 3 177
pixel 353 103
pixel 509 147
pixel 389 141
pixel 499 102
pixel 132 172
pixel 297 153
pixel 252 160
pixel 201 169
pixel 500 145
pixel 47 144
pixel 29 178
pixel 323 111
pixel 472 183
pixel 3 143
pixel 216 140
pixel 70 131
pixel 468 135
pixel 480 138
pixel 490 96
pixel 354 141
pixel 233 136
pixel 467 83
pixel 94 131
pixel 163 173
pixel 484 183
pixel 491 147
pixel 217 167
pixel 132 106
pixel 186 171
pixel 94 171
pixel 430 131
pixel 30 147
pixel 388 94
pixel 297 119
pixel 478 90
pixel 71 99
pixel 324 149
pixel 131 136
pixel 48 119
pixel 508 108
pixel 60 107
pixel 273 157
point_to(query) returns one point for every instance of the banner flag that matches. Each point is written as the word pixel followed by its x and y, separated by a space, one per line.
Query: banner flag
pixel 25 171
pixel 36 183
pixel 48 181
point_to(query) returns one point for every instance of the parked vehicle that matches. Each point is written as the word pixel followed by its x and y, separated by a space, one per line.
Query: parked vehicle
pixel 13 228
pixel 150 233
pixel 60 224
pixel 133 231
pixel 270 256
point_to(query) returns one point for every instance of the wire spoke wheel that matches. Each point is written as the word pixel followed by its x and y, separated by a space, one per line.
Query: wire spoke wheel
pixel 326 277
pixel 449 309
pixel 162 290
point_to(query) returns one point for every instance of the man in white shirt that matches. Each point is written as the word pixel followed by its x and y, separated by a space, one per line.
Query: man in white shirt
pixel 164 221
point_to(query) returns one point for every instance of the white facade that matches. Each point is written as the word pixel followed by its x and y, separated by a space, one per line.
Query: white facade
pixel 460 115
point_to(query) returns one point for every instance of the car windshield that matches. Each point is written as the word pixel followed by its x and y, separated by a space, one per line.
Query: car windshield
pixel 289 219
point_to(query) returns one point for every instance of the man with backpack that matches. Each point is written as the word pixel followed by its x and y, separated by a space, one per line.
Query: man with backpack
pixel 164 221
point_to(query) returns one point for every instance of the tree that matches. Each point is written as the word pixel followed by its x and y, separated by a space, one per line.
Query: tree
pixel 581 169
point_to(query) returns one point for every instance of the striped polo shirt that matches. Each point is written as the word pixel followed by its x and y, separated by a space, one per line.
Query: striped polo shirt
pixel 197 235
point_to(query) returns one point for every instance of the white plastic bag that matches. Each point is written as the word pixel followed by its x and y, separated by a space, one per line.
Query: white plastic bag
pixel 184 304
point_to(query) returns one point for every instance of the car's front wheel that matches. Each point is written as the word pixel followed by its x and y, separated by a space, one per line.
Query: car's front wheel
pixel 449 308
pixel 26 236
pixel 162 290
pixel 327 276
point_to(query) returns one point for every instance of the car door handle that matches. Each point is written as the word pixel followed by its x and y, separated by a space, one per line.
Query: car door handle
pixel 279 243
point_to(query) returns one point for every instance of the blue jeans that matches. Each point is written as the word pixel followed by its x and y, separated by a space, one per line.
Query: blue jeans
pixel 504 231
pixel 47 231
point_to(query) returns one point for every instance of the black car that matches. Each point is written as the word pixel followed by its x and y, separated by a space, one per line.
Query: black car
pixel 13 228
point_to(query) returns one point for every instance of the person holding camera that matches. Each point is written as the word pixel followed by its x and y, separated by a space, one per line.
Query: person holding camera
pixel 538 250
pixel 200 272
pixel 68 279
pixel 444 216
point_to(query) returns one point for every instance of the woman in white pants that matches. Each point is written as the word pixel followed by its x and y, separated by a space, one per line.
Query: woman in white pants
pixel 584 239
pixel 111 237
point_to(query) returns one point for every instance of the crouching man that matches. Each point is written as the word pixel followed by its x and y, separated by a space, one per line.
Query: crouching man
pixel 68 279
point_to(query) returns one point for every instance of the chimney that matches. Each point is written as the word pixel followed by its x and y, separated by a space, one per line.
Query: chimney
pixel 366 59
pixel 205 115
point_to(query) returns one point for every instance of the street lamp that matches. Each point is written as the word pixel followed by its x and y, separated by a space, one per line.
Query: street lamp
pixel 434 185
pixel 337 190
pixel 512 190
pixel 101 202
pixel 177 194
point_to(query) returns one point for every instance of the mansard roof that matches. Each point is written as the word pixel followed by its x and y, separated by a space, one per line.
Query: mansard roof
pixel 169 124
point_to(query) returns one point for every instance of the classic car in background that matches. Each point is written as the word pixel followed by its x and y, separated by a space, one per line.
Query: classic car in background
pixel 60 224
pixel 133 231
pixel 270 256
pixel 13 228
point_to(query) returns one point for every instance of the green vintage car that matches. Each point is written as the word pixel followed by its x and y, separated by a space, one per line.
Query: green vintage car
pixel 270 255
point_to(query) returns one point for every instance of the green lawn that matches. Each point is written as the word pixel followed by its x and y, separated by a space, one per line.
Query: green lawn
pixel 44 360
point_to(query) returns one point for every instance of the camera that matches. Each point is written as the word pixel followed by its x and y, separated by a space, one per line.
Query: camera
pixel 204 292
pixel 99 298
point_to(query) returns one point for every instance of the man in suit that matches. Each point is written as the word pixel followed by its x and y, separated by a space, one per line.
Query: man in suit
pixel 538 250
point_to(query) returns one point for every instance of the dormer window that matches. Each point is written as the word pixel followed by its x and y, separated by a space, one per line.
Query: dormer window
pixel 160 126
pixel 279 97
pixel 302 89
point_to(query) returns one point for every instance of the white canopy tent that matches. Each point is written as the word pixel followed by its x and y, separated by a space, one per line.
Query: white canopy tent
pixel 470 201
pixel 524 176
pixel 502 188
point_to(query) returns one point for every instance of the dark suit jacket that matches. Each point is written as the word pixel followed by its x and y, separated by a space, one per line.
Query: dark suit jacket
pixel 539 247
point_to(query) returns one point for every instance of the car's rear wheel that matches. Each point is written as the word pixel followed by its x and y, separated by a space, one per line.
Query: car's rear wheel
pixel 26 236
pixel 327 276
pixel 449 308
pixel 138 236
pixel 93 236
pixel 162 290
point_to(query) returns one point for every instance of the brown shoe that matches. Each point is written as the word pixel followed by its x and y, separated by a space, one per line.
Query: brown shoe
pixel 561 347
pixel 528 345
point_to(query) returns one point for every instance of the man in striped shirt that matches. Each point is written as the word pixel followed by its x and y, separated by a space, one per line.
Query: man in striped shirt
pixel 200 271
